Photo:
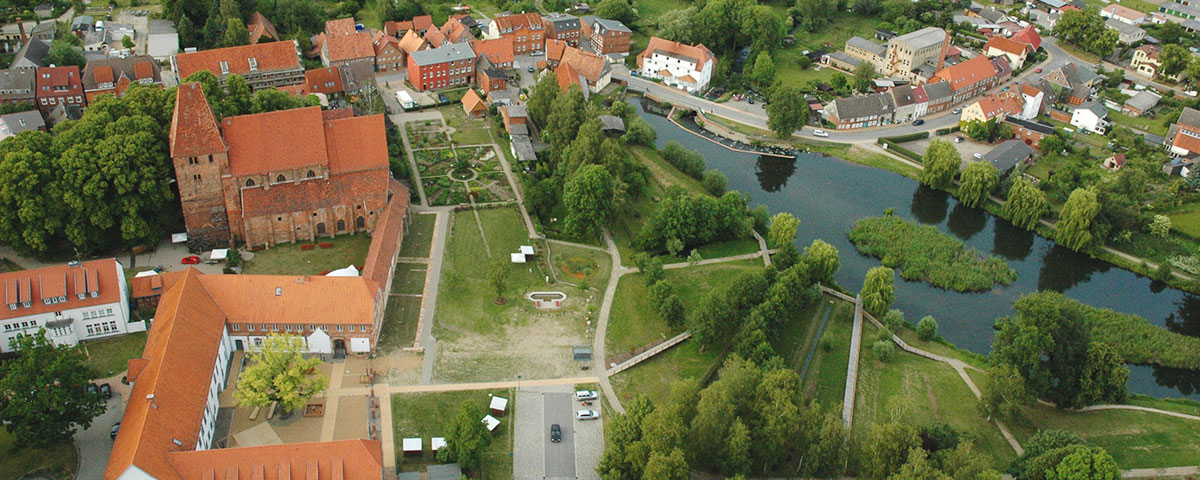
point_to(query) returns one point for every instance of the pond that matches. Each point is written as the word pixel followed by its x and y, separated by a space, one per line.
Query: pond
pixel 829 194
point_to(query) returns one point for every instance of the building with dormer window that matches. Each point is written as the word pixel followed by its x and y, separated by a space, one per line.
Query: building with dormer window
pixel 263 65
pixel 115 75
pixel 527 31
pixel 72 302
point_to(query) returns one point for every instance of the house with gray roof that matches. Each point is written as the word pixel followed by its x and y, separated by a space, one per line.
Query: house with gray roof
pixel 1091 116
pixel 939 95
pixel 612 124
pixel 842 60
pixel 904 99
pixel 608 37
pixel 865 50
pixel 560 26
pixel 17 85
pixel 1126 34
pixel 32 55
pixel 859 112
pixel 1008 154
pixel 1141 103
pixel 15 123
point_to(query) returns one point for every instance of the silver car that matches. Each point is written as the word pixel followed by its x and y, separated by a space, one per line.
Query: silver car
pixel 587 415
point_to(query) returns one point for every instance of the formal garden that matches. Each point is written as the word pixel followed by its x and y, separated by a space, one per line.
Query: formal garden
pixel 458 175
pixel 427 134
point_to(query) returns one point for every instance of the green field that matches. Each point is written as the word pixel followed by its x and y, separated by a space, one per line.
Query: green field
pixel 399 323
pixel 1135 439
pixel 581 266
pixel 107 357
pixel 788 71
pixel 839 29
pixel 419 237
pixel 653 377
pixel 289 259
pixel 425 415
pixel 59 462
pixel 1157 126
pixel 1186 219
pixel 825 380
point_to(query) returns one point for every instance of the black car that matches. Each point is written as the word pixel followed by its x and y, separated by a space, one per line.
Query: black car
pixel 555 433
pixel 918 122
pixel 115 429
pixel 106 390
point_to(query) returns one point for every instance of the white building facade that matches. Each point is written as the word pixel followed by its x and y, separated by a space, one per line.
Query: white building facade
pixel 679 65
pixel 73 303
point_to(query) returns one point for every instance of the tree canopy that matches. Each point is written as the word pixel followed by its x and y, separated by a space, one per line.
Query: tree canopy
pixel 787 112
pixel 879 290
pixel 1026 204
pixel 1075 220
pixel 978 181
pixel 1087 30
pixel 466 437
pixel 43 392
pixel 278 372
pixel 941 161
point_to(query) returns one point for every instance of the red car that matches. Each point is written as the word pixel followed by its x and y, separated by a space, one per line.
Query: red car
pixel 190 260
pixel 1038 71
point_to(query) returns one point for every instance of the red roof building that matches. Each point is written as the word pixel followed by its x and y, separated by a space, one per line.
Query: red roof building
pixel 322 80
pixel 59 86
pixel 115 75
pixel 264 65
pixel 261 29
pixel 419 24
pixel 498 51
pixel 969 78
pixel 526 30
pixel 1029 35
pixel 388 55
pixel 344 45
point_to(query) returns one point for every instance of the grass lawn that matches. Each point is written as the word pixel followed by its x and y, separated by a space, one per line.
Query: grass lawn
pixel 1079 53
pixel 400 323
pixel 426 415
pixel 419 237
pixel 1186 219
pixel 796 338
pixel 789 71
pixel 835 33
pixel 108 356
pixel 655 376
pixel 633 322
pixel 369 15
pixel 581 265
pixel 649 10
pixel 1041 169
pixel 409 278
pixel 59 461
pixel 1157 126
pixel 467 131
pixel 934 393
pixel 1135 439
pixel 825 381
pixel 289 259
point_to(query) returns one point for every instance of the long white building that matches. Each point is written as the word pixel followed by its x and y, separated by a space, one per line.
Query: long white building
pixel 687 67
pixel 73 302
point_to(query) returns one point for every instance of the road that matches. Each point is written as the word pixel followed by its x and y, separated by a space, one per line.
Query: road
pixel 560 457
pixel 95 444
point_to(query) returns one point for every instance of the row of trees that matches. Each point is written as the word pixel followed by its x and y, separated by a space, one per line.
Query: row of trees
pixel 1086 29
pixel 725 26
pixel 208 23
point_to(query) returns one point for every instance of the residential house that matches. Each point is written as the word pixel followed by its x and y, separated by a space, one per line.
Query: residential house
pixel 498 51
pixel 17 85
pixel 31 55
pixel 526 30
pixel 608 37
pixel 1071 83
pixel 276 177
pixel 14 123
pixel 970 78
pixel 454 31
pixel 1008 154
pixel 1029 35
pixel 1146 61
pixel 560 26
pixel 434 38
pixel 1183 136
pixel 162 41
pixel 411 43
pixel 418 25
pixel 473 104
pixel 1029 131
pixel 261 29
pixel 488 77
pixel 83 23
pixel 59 86
pixel 263 65
pixel 1013 51
pixel 554 53
pixel 499 98
pixel 593 69
pixel 858 112
pixel 912 56
pixel 940 95
pixel 451 65
pixel 1124 14
pixel 993 106
pixel 1114 162
pixel 115 75
pixel 344 45
pixel 1140 104
pixel 326 80
pixel 1034 97
pixel 920 101
pixel 389 57
pixel 72 302
pixel 687 67
pixel 991 14
pixel 905 101
pixel 1127 34
pixel 1091 116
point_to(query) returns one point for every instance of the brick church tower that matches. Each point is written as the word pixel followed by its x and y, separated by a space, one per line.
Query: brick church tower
pixel 201 158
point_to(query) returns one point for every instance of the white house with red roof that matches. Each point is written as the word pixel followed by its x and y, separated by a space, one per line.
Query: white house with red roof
pixel 687 67
pixel 72 302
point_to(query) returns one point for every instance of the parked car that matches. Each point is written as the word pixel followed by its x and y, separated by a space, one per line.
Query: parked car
pixel 582 395
pixel 919 122
pixel 1038 70
pixel 555 433
pixel 634 73
pixel 977 155
pixel 531 68
pixel 190 260
pixel 587 415
pixel 106 390
pixel 958 139
pixel 115 428
pixel 956 111
pixel 820 133
pixel 750 101
pixel 93 388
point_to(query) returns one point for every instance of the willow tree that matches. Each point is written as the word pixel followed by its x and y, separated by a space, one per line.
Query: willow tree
pixel 978 182
pixel 879 290
pixel 1026 204
pixel 941 164
pixel 1075 220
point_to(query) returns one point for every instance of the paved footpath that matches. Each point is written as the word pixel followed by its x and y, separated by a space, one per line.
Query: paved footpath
pixel 441 230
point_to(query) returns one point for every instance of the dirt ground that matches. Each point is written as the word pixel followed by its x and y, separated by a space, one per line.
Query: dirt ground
pixel 398 368
pixel 351 418
pixel 535 345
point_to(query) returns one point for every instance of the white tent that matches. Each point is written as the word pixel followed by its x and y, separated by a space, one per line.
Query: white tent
pixel 349 271
pixel 491 422
pixel 437 443
pixel 219 254
pixel 145 273
pixel 360 345
pixel 318 342
pixel 517 257
pixel 498 405
pixel 412 445
pixel 527 250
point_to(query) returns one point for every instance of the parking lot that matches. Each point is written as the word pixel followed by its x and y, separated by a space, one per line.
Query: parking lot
pixel 536 456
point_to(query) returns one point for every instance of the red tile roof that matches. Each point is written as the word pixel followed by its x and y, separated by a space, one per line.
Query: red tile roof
pixel 422 22
pixel 567 76
pixel 1030 36
pixel 260 27
pixel 517 22
pixel 998 104
pixel 337 460
pixel 967 73
pixel 336 113
pixel 323 80
pixel 50 77
pixel 590 65
pixel 270 56
pixel 699 53
pixel 554 50
pixel 34 285
pixel 153 285
pixel 472 103
pixel 434 37
pixel 1007 45
pixel 455 31
pixel 356 143
pixel 381 41
pixel 104 74
pixel 1187 140
pixel 348 46
pixel 388 235
pixel 411 42
pixel 194 129
pixel 341 26
pixel 498 51
pixel 275 141
pixel 302 299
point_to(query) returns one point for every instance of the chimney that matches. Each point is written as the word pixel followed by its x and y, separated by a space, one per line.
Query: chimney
pixel 21 27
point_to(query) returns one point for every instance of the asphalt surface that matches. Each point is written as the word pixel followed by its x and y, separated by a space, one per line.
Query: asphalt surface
pixel 95 444
pixel 560 457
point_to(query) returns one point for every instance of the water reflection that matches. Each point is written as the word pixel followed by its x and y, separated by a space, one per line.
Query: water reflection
pixel 929 206
pixel 1011 242
pixel 773 172
pixel 1063 269
pixel 1186 381
pixel 1186 319
pixel 965 221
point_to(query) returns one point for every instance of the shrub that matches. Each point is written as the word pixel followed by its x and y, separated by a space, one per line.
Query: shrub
pixel 893 320
pixel 687 161
pixel 927 328
pixel 714 181
pixel 924 253
pixel 883 350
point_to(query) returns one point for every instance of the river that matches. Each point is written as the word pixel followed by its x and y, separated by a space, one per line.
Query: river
pixel 828 195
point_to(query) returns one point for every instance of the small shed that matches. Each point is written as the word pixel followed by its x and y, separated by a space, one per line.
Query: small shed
pixel 218 255
pixel 582 353
pixel 473 104
pixel 517 258
pixel 449 471
pixel 490 421
pixel 498 406
pixel 612 125
pixel 437 443
pixel 527 250
pixel 412 446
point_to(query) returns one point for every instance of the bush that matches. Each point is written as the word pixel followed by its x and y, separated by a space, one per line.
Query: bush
pixel 687 161
pixel 826 342
pixel 893 320
pixel 927 329
pixel 924 253
pixel 883 350
pixel 714 181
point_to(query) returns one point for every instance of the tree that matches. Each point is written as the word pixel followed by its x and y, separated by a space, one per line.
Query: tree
pixel 879 290
pixel 497 274
pixel 978 182
pixel 763 74
pixel 1026 204
pixel 1193 178
pixel 823 261
pixel 1041 443
pixel 864 71
pixel 43 392
pixel 236 33
pixel 676 24
pixel 1086 464
pixel 887 448
pixel 1053 144
pixel 714 181
pixel 927 328
pixel 238 97
pixel 31 213
pixel 1003 393
pixel 883 349
pixel 587 197
pixel 963 462
pixel 941 164
pixel 279 373
pixel 987 131
pixel 787 111
pixel 1075 219
pixel 639 131
pixel 670 466
pixel 1161 226
pixel 783 229
pixel 735 459
pixel 63 53
pixel 542 97
pixel 271 100
pixel 1174 58
pixel 710 322
pixel 1087 30
pixel 1193 66
pixel 619 10
pixel 918 467
pixel 763 27
pixel 813 14
pixel 127 42
pixel 687 161
pixel 466 437
pixel 567 114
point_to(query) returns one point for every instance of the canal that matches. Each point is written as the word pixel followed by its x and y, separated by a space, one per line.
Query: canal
pixel 828 195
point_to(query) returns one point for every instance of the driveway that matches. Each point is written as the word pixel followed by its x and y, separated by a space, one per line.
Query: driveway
pixel 94 444
pixel 535 456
